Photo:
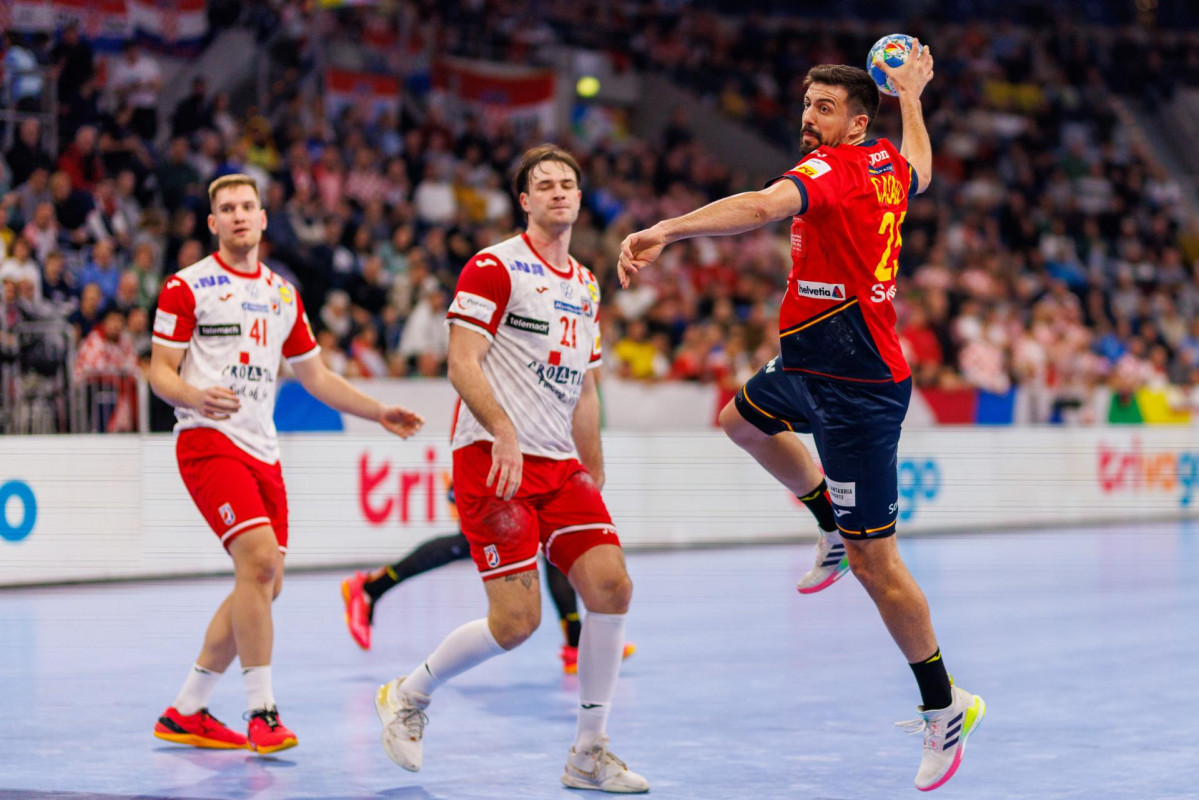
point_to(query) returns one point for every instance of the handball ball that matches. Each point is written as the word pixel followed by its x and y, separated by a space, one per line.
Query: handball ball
pixel 893 49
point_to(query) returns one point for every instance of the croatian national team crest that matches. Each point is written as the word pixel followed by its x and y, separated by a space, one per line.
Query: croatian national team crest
pixel 227 515
pixel 492 555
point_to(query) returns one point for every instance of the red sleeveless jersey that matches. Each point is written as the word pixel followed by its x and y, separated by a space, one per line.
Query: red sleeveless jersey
pixel 837 319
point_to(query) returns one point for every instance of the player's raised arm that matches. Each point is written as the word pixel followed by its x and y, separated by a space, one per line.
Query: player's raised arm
pixel 731 215
pixel 465 360
pixel 336 392
pixel 909 81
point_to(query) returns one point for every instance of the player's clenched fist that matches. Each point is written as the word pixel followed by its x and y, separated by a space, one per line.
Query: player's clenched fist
pixel 637 252
pixel 400 421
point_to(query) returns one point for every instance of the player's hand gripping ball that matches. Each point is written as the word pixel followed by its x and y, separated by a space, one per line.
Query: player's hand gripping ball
pixel 892 49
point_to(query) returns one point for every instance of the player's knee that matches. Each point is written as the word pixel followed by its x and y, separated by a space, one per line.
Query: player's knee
pixel 736 427
pixel 260 565
pixel 611 594
pixel 870 563
pixel 512 627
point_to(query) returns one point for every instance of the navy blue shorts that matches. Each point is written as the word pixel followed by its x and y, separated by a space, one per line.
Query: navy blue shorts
pixel 856 427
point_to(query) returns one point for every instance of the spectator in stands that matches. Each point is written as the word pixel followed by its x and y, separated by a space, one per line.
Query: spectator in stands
pixel 366 359
pixel 434 199
pixel 127 298
pixel 102 270
pixel 22 76
pixel 335 315
pixel 106 364
pixel 87 316
pixel 194 112
pixel 58 287
pixel 20 266
pixel 635 353
pixel 178 181
pixel 42 231
pixel 136 79
pixel 73 60
pixel 71 208
pixel 120 145
pixel 425 341
pixel 107 218
pixel 27 153
pixel 81 161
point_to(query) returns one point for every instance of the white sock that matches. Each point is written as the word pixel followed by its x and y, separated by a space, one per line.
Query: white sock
pixel 468 646
pixel 196 690
pixel 601 645
pixel 258 687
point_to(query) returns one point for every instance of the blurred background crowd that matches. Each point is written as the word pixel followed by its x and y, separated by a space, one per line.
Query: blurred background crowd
pixel 1057 250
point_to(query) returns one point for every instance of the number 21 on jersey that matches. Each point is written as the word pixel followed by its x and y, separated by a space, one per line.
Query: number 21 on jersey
pixel 570 331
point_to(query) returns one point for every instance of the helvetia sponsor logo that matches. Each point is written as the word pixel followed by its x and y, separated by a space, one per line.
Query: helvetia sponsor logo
pixel 820 291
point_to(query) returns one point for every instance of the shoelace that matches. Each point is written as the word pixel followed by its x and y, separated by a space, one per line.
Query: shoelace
pixel 268 715
pixel 930 728
pixel 209 723
pixel 414 721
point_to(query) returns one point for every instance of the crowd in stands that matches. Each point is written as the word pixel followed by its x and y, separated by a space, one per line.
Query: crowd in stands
pixel 1052 252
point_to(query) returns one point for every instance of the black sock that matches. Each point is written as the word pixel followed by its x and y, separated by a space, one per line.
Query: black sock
pixel 565 601
pixel 821 506
pixel 430 555
pixel 571 628
pixel 933 680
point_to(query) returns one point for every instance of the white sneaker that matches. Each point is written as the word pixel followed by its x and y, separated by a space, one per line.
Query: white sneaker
pixel 597 768
pixel 404 719
pixel 945 731
pixel 831 564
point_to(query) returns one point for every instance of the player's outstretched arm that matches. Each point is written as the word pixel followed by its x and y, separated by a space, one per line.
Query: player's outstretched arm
pixel 909 80
pixel 467 350
pixel 215 402
pixel 336 392
pixel 585 429
pixel 731 215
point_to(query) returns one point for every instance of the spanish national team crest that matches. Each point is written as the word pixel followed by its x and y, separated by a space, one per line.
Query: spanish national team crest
pixel 227 515
pixel 492 555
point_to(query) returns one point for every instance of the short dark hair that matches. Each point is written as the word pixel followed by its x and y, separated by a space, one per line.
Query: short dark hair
pixel 860 88
pixel 538 155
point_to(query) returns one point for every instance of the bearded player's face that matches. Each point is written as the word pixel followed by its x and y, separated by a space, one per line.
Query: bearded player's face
pixel 826 117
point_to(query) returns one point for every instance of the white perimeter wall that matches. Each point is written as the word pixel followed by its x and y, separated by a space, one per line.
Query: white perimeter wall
pixel 114 506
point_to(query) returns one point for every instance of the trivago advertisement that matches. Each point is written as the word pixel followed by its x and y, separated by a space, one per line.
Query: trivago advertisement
pixel 95 507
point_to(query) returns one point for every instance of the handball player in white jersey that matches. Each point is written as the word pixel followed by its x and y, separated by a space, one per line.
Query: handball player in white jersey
pixel 528 469
pixel 222 326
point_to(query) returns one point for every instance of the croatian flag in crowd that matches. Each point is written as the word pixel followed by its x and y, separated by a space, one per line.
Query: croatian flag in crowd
pixel 173 27
pixel 523 96
pixel 368 93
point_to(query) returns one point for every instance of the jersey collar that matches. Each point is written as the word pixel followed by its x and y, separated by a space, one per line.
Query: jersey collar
pixel 568 274
pixel 256 274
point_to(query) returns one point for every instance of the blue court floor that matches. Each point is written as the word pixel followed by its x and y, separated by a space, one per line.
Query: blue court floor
pixel 1084 644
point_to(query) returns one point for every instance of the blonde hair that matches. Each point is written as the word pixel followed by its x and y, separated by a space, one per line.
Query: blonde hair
pixel 229 181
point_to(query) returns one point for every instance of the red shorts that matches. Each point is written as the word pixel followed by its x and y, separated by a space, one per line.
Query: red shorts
pixel 233 490
pixel 557 505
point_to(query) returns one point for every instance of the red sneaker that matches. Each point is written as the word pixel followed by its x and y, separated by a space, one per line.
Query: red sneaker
pixel 267 734
pixel 199 730
pixel 570 657
pixel 358 609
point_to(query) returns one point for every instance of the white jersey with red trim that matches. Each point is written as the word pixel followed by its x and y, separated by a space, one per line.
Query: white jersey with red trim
pixel 235 328
pixel 543 325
